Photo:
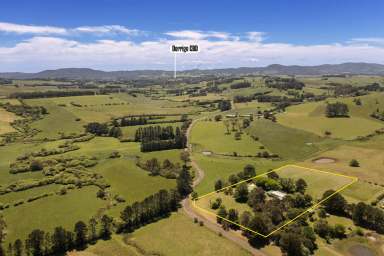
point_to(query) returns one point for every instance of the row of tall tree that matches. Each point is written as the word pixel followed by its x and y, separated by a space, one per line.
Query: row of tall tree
pixel 102 129
pixel 49 94
pixel 155 138
pixel 41 243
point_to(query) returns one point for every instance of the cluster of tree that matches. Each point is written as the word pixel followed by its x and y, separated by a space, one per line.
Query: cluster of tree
pixel 373 87
pixel 283 83
pixel 154 138
pixel 40 243
pixel 362 214
pixel 253 192
pixel 152 208
pixel 297 239
pixel 5 81
pixel 276 98
pixel 167 169
pixel 24 110
pixel 242 98
pixel 247 173
pixel 102 129
pixel 240 85
pixel 326 231
pixel 49 94
pixel 368 216
pixel 337 109
pixel 158 132
pixel 224 105
pixel 132 121
pixel 3 227
pixel 378 115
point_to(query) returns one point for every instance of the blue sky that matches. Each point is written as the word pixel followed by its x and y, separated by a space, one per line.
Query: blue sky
pixel 111 34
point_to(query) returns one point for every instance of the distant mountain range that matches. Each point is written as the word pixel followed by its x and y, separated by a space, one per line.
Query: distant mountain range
pixel 275 69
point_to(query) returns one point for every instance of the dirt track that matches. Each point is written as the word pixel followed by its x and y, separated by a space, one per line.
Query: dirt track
pixel 194 213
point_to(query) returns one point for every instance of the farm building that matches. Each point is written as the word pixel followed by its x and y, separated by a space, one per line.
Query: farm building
pixel 277 194
pixel 251 187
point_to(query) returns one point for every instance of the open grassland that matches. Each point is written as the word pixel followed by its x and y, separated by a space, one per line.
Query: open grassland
pixel 357 246
pixel 251 107
pixel 131 182
pixel 212 136
pixel 59 120
pixel 69 114
pixel 318 182
pixel 371 162
pixel 5 119
pixel 51 212
pixel 227 200
pixel 114 246
pixel 208 97
pixel 288 143
pixel 160 237
pixel 6 90
pixel 357 80
pixel 369 173
pixel 9 153
pixel 221 168
pixel 311 117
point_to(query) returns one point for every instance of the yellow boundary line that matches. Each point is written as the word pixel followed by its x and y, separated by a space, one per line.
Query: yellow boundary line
pixel 354 179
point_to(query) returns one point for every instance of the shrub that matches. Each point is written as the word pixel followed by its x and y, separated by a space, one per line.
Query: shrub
pixel 36 165
pixel 354 163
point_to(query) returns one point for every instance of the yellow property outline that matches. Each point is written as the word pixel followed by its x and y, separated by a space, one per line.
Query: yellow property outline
pixel 354 179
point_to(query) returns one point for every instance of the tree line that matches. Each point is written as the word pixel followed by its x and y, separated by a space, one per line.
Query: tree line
pixel 337 109
pixel 49 94
pixel 240 85
pixel 102 129
pixel 155 138
pixel 283 83
pixel 41 243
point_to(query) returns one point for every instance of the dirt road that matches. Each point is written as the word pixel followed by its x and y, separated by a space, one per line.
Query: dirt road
pixel 192 212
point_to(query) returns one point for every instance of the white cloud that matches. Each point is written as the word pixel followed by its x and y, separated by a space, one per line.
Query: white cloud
pixel 198 34
pixel 47 30
pixel 30 29
pixel 41 52
pixel 368 41
pixel 107 29
pixel 255 36
pixel 217 50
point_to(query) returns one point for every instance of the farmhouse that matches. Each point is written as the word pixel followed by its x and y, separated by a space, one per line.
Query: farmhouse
pixel 277 194
pixel 251 187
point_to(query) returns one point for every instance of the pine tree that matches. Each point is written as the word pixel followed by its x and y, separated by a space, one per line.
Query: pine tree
pixel 184 182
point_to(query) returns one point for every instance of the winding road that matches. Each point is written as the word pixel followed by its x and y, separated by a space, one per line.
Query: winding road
pixel 192 212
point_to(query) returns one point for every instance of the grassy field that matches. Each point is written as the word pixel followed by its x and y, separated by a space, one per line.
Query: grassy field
pixel 166 237
pixel 318 182
pixel 52 211
pixel 288 143
pixel 5 119
pixel 227 201
pixel 311 117
pixel 222 167
pixel 369 172
pixel 211 136
pixel 131 182
pixel 58 120
pixel 169 237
